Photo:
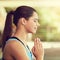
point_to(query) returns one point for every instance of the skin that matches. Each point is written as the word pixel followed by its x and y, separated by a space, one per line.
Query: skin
pixel 16 49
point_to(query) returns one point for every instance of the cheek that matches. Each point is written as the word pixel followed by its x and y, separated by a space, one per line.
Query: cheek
pixel 29 27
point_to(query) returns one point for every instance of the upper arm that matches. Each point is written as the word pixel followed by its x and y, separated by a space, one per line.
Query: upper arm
pixel 18 51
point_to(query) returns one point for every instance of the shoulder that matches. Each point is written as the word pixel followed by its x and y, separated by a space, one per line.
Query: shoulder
pixel 14 45
pixel 16 49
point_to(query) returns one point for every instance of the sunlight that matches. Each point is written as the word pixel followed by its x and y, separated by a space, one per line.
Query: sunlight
pixel 57 25
pixel 42 3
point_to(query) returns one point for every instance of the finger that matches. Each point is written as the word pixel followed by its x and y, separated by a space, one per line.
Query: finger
pixel 39 42
pixel 33 50
pixel 35 42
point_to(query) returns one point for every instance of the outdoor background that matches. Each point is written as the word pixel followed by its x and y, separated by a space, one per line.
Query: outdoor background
pixel 49 19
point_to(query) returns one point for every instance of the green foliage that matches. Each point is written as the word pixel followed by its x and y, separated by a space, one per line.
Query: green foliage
pixel 47 30
pixel 9 9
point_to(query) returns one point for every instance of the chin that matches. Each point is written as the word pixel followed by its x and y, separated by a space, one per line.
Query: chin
pixel 32 32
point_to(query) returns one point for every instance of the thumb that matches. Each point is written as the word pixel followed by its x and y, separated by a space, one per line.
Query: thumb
pixel 33 50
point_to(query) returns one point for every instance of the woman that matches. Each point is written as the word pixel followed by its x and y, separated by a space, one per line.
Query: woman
pixel 15 47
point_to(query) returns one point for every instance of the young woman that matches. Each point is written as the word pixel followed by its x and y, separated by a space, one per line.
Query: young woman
pixel 15 47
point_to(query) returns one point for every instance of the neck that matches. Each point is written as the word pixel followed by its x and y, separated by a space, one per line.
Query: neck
pixel 21 34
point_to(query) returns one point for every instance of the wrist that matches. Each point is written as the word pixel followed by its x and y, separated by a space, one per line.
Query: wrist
pixel 39 58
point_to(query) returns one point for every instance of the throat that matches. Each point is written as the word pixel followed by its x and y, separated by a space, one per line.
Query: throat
pixel 22 35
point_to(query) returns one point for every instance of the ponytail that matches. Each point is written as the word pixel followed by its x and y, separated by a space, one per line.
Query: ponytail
pixel 7 29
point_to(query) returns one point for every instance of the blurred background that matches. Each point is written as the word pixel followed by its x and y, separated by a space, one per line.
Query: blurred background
pixel 49 19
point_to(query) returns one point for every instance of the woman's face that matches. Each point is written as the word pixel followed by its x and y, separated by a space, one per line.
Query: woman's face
pixel 32 23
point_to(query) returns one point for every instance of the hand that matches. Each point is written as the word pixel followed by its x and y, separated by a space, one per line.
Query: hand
pixel 38 50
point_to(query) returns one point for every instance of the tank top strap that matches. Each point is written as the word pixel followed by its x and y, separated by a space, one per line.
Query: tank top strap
pixel 16 39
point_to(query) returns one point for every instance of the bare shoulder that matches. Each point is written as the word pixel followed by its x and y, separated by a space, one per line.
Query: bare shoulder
pixel 14 46
pixel 16 49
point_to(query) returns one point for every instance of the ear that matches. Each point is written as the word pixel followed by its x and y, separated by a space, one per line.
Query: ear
pixel 23 21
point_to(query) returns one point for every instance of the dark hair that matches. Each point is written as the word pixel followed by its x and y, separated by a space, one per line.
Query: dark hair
pixel 7 29
pixel 20 12
pixel 23 12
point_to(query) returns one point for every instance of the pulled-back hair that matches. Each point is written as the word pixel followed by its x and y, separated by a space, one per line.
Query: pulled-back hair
pixel 20 12
pixel 23 12
pixel 7 29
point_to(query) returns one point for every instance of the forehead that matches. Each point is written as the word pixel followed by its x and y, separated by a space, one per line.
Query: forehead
pixel 35 15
